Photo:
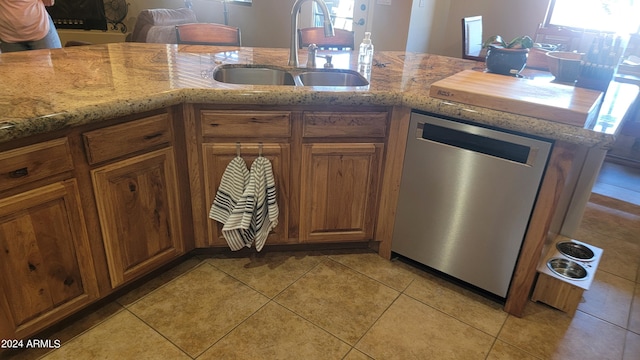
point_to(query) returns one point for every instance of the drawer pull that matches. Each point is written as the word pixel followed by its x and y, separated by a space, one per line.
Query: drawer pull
pixel 19 173
pixel 152 136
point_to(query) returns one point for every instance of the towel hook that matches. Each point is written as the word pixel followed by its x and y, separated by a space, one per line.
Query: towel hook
pixel 259 149
pixel 238 149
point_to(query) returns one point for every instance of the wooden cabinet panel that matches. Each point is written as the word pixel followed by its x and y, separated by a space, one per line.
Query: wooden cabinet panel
pixel 128 138
pixel 216 159
pixel 30 163
pixel 46 268
pixel 235 123
pixel 138 206
pixel 344 124
pixel 339 188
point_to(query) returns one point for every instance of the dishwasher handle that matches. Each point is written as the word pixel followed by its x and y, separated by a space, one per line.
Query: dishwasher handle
pixel 502 149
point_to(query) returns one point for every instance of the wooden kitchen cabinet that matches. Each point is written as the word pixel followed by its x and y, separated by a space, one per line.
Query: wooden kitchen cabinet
pixel 327 166
pixel 340 174
pixel 339 191
pixel 137 197
pixel 46 266
pixel 216 159
pixel 227 133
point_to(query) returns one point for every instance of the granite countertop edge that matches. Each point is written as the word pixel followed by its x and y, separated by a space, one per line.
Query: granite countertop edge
pixel 12 130
pixel 96 83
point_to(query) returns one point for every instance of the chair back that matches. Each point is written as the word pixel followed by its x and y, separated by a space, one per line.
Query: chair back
pixel 158 25
pixel 343 39
pixel 208 34
pixel 472 38
pixel 566 39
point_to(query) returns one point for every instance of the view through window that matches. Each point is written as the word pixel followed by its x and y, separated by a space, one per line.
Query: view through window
pixel 341 14
pixel 616 16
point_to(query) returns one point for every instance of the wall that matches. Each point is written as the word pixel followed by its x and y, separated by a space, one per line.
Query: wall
pixel 424 22
pixel 390 27
pixel 433 28
pixel 508 18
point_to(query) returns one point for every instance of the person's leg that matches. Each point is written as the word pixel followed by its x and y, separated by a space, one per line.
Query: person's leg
pixel 51 41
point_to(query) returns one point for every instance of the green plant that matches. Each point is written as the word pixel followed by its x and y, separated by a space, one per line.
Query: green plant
pixel 521 42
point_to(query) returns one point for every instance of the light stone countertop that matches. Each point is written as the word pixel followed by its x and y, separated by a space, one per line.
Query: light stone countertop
pixel 47 90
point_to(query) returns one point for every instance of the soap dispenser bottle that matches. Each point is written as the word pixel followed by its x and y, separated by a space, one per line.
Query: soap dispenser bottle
pixel 365 55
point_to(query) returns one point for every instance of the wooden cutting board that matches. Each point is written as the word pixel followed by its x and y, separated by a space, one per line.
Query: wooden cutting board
pixel 556 102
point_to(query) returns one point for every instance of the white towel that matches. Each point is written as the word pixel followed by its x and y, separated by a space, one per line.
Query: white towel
pixel 266 207
pixel 238 230
pixel 232 186
pixel 246 203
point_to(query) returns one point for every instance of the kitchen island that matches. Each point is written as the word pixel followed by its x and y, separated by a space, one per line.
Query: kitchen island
pixel 92 137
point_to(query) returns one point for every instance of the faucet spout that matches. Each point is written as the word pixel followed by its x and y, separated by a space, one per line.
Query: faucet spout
pixel 328 27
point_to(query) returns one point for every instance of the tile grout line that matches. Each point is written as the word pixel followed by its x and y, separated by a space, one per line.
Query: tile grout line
pixel 162 335
pixel 83 332
pixel 634 301
pixel 258 291
pixel 159 287
pixel 232 329
pixel 367 276
pixel 122 308
pixel 400 293
pixel 626 327
pixel 274 301
pixel 329 257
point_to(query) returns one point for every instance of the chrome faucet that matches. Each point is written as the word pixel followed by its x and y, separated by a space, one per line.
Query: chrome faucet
pixel 328 28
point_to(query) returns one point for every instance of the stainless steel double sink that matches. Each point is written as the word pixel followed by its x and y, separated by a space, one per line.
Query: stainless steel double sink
pixel 272 75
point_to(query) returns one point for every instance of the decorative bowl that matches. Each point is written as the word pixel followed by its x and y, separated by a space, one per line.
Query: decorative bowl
pixel 564 65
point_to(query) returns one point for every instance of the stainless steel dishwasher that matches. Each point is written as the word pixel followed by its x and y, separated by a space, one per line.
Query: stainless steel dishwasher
pixel 466 197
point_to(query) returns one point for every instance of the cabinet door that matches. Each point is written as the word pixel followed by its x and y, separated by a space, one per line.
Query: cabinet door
pixel 139 214
pixel 46 268
pixel 216 159
pixel 339 188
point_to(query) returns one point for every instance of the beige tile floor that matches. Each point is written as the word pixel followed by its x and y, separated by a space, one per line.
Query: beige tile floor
pixel 356 305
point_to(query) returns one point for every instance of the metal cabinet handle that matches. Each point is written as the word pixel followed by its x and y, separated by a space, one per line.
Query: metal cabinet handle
pixel 152 136
pixel 18 173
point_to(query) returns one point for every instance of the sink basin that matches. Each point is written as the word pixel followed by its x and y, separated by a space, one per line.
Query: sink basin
pixel 332 78
pixel 272 75
pixel 253 75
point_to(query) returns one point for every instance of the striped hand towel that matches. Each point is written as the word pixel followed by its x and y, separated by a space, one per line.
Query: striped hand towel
pixel 266 211
pixel 232 186
pixel 238 230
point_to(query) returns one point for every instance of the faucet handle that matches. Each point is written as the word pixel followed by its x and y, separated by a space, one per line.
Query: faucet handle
pixel 328 64
pixel 311 56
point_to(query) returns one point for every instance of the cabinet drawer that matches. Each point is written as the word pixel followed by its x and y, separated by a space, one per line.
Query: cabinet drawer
pixel 34 162
pixel 118 140
pixel 245 123
pixel 344 124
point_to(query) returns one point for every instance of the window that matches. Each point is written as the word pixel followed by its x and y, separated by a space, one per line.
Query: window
pixel 341 14
pixel 617 16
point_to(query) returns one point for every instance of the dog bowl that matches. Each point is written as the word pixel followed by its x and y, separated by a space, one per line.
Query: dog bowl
pixel 575 251
pixel 568 269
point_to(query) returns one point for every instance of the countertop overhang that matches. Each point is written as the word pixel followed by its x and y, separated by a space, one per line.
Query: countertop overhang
pixel 47 90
